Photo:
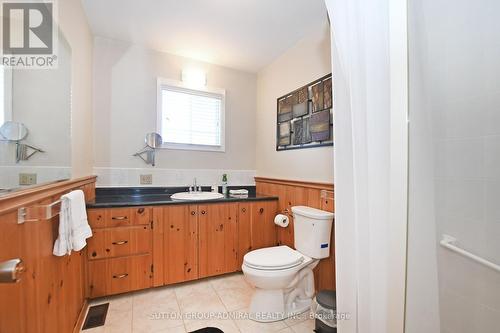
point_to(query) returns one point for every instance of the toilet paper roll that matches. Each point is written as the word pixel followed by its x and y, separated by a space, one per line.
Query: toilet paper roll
pixel 281 220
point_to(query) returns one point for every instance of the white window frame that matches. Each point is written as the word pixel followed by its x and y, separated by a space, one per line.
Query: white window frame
pixel 7 95
pixel 179 85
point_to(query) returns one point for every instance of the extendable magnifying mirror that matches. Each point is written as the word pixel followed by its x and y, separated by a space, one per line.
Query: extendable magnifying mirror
pixel 13 131
pixel 153 141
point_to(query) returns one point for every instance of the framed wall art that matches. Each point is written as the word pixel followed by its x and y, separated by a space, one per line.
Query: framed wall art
pixel 305 116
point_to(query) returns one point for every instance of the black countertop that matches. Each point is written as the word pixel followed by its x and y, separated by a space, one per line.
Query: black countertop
pixel 108 197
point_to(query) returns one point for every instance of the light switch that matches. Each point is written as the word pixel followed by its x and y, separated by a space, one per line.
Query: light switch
pixel 27 178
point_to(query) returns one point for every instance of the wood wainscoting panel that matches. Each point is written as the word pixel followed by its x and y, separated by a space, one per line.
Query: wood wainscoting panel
pixel 297 193
pixel 50 294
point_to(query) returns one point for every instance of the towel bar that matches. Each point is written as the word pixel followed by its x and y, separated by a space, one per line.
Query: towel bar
pixel 38 212
pixel 449 242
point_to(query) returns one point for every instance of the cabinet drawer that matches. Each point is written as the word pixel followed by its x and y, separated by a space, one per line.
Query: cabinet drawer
pixel 119 242
pixel 118 217
pixel 119 275
pixel 128 241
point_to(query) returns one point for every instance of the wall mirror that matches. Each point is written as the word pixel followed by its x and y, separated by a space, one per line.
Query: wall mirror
pixel 35 123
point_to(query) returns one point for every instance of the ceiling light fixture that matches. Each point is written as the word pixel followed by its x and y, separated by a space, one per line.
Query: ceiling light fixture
pixel 194 77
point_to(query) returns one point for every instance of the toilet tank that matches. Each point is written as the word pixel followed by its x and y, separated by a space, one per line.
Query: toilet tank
pixel 312 231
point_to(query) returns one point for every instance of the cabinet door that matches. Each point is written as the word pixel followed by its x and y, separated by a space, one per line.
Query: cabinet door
pixel 180 243
pixel 244 231
pixel 218 239
pixel 264 232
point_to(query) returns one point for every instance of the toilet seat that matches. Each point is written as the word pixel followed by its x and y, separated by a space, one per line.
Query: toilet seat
pixel 274 258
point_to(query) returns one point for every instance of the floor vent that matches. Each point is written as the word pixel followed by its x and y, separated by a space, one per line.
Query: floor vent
pixel 208 330
pixel 96 316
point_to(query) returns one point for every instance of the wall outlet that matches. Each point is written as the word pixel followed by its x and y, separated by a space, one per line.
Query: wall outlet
pixel 146 179
pixel 27 178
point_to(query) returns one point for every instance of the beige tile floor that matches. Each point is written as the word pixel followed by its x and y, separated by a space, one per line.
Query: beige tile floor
pixel 216 302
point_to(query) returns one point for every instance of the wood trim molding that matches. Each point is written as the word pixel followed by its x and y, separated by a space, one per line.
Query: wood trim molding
pixel 81 317
pixel 35 194
pixel 315 185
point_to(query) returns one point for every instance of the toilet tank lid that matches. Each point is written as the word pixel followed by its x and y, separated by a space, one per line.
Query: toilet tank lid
pixel 312 213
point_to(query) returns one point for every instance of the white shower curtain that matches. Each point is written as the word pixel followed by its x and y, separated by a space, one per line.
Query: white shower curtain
pixel 365 175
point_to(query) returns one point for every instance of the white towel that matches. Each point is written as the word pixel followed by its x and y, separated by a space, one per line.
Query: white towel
pixel 239 192
pixel 74 228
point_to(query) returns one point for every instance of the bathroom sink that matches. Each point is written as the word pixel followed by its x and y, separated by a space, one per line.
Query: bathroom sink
pixel 195 196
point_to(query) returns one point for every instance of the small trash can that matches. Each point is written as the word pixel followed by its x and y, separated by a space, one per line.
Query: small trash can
pixel 325 308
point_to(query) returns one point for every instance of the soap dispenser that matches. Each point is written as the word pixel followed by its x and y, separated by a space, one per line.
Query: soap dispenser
pixel 224 184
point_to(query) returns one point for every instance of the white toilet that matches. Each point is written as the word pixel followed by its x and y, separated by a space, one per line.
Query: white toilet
pixel 283 277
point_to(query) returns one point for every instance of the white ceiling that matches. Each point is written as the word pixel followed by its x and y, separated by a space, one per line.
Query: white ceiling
pixel 241 34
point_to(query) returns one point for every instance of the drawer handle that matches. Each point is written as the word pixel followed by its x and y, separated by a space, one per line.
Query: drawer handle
pixel 120 242
pixel 261 210
pixel 119 218
pixel 121 276
pixel 203 212
pixel 244 210
pixel 193 212
pixel 140 210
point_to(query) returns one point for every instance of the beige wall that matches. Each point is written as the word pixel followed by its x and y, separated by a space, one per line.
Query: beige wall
pixel 308 60
pixel 125 108
pixel 73 23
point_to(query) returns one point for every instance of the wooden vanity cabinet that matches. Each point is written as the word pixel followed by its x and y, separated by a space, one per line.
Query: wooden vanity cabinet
pixel 140 247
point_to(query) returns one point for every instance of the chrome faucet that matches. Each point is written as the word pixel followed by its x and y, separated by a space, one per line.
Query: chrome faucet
pixel 195 187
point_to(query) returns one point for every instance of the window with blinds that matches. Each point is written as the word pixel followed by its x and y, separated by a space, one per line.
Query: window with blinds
pixel 2 96
pixel 191 119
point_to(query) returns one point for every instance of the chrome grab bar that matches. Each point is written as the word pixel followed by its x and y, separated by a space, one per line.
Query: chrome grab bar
pixel 449 242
